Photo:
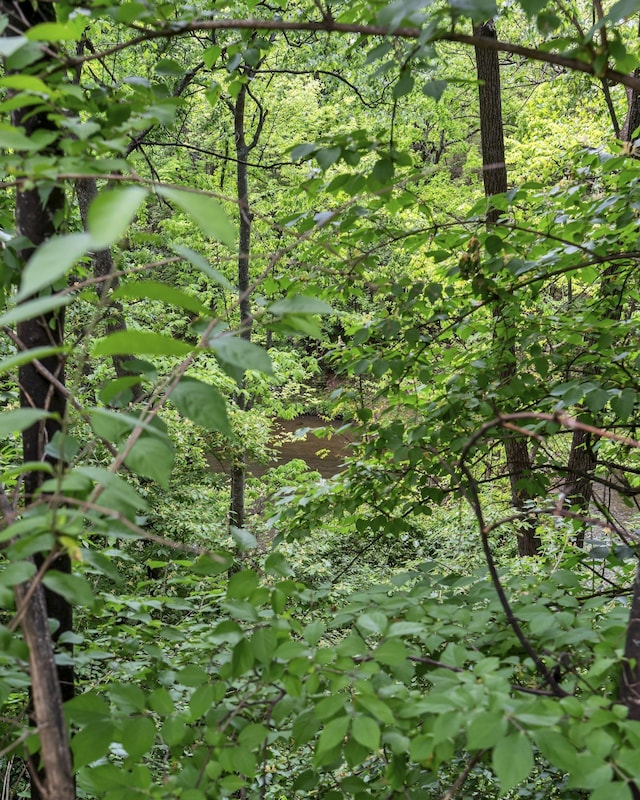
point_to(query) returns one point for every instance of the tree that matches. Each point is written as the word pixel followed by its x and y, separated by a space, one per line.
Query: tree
pixel 274 679
pixel 494 174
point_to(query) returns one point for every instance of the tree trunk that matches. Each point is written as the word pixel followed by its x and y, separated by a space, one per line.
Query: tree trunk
pixel 38 216
pixel 578 484
pixel 630 680
pixel 494 175
pixel 632 121
pixel 239 467
pixel 55 780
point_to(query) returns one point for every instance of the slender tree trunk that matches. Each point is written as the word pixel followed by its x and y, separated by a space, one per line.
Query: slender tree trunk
pixel 239 467
pixel 630 679
pixel 578 484
pixel 494 174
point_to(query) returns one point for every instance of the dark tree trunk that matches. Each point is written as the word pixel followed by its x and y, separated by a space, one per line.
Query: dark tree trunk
pixel 42 386
pixel 55 780
pixel 632 120
pixel 578 484
pixel 494 167
pixel 494 175
pixel 630 679
pixel 239 467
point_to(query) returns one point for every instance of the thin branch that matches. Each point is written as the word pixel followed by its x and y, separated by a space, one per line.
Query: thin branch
pixel 328 25
pixel 331 74
pixel 459 782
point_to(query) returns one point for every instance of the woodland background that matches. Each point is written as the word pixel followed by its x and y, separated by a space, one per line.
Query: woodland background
pixel 415 223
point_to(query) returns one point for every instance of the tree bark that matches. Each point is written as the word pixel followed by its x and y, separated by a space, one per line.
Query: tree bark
pixel 38 216
pixel 578 484
pixel 630 679
pixel 632 120
pixel 239 466
pixel 243 149
pixel 55 780
pixel 494 175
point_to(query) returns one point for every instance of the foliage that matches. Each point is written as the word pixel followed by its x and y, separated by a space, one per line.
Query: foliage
pixel 375 634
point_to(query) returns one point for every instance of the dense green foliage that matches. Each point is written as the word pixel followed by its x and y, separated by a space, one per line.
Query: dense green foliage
pixel 375 634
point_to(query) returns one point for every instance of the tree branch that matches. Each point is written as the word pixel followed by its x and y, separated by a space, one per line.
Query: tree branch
pixel 328 25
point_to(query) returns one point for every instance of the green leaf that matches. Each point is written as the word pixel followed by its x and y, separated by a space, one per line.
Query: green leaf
pixel 486 729
pixel 377 708
pixel 236 356
pixel 303 151
pixel 327 156
pixel 390 652
pixel 404 85
pixel 201 263
pixel 92 743
pixel 138 736
pixel 56 31
pixel 435 89
pixel 512 760
pixel 154 290
pixel 73 588
pixel 621 10
pixel 622 405
pixel 300 304
pixel 532 7
pixel 17 572
pixel 242 658
pixel 20 419
pixel 211 55
pixel 201 701
pixel 9 45
pixel 161 702
pixel 51 261
pixel 152 457
pixel 476 9
pixel 117 494
pixel 27 83
pixel 305 727
pixel 612 791
pixel 201 403
pixel 116 425
pixel 137 342
pixel 253 735
pixel 174 731
pixel 243 538
pixel 379 51
pixel 205 211
pixel 167 66
pixel 117 392
pixel 13 139
pixel 313 632
pixel 27 356
pixel 111 213
pixel 34 308
pixel 557 749
pixel 331 737
pixel 383 170
pixel 366 732
pixel 373 622
pixel 242 584
pixel 192 675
